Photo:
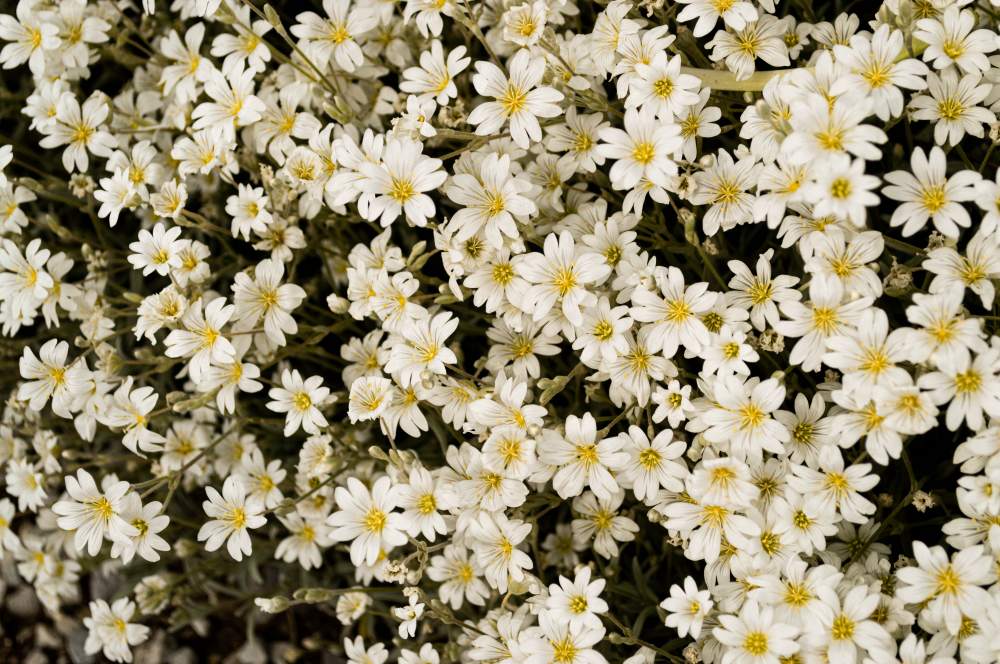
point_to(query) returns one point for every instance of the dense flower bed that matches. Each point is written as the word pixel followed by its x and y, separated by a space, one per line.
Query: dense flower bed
pixel 549 332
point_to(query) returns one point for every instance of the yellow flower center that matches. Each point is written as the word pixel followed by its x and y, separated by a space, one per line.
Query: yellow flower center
pixel 843 628
pixel 644 153
pixel 840 188
pixel 649 458
pixel 513 99
pixel 755 643
pixel 375 520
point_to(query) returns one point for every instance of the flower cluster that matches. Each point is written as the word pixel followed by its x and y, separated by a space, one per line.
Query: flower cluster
pixel 503 331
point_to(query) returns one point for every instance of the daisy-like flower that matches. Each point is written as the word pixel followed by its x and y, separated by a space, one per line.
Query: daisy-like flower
pixel 81 130
pixel 742 419
pixel 265 297
pixel 942 333
pixel 947 587
pixel 763 39
pixel 111 630
pixel 148 522
pixel 652 464
pixel 460 577
pixel 94 514
pixel 335 38
pixel 642 151
pixel 232 513
pixel 370 397
pixel 755 636
pixel 435 77
pixel 877 70
pixel 398 185
pixel 495 540
pixel 421 499
pixel 827 314
pixel 953 104
pixel 31 32
pixel 844 628
pixel 687 607
pixel 201 338
pixel 408 616
pixel 299 399
pixel 422 348
pixel 561 641
pixel 560 277
pixel 306 535
pixel 578 138
pixel 129 410
pixel 233 103
pixel 674 315
pixel 48 376
pixel 725 187
pixel 760 292
pixel 970 386
pixel 707 12
pixel 25 482
pixel 367 519
pixel 661 87
pixel 577 602
pixel 834 486
pixel 24 282
pixel 583 461
pixel 248 208
pixel 928 193
pixel 494 200
pixel 974 270
pixel 842 189
pixel 518 99
pixel 951 40
pixel 158 251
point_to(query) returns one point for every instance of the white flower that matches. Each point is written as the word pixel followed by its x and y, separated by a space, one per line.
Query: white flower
pixel 687 607
pixel 231 514
pixel 517 98
pixel 930 194
pixel 948 589
pixel 841 188
pixel 577 602
pixel 583 461
pixel 398 185
pixel 435 77
pixel 367 519
pixel 755 636
pixel 494 200
pixel 559 640
pixel 651 463
pixel 643 151
pixel 560 276
pixel 81 130
pixel 422 350
pixel 735 14
pixel 94 514
pixel 370 397
pixel 674 315
pixel 148 522
pixel 662 87
pixel 129 410
pixel 495 540
pixel 111 631
pixel 951 40
pixel 299 399
pixel 335 38
pixel 202 339
pixel 408 617
pixel 48 376
pixel 953 105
